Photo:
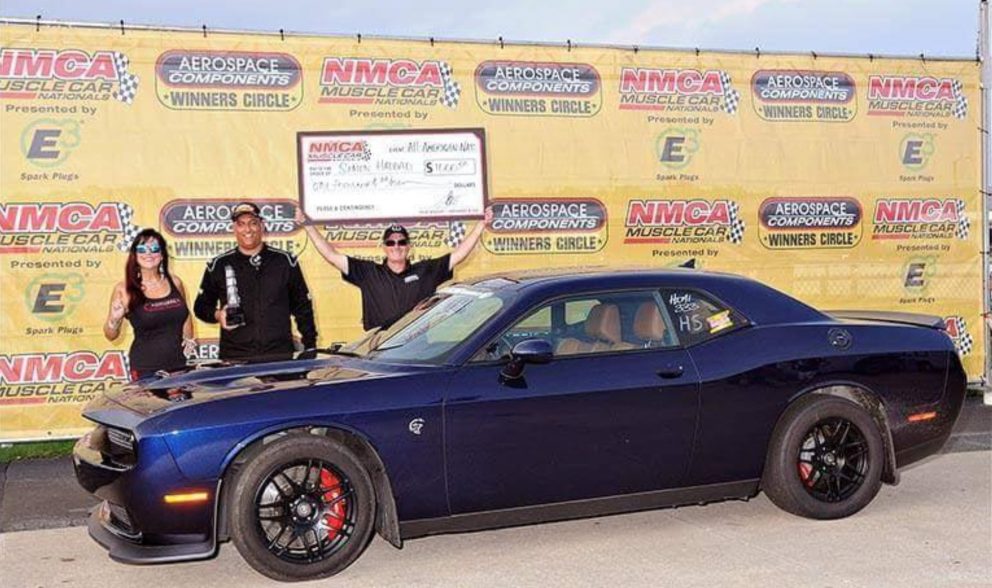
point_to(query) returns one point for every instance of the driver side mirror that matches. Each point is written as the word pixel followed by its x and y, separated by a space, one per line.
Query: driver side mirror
pixel 537 351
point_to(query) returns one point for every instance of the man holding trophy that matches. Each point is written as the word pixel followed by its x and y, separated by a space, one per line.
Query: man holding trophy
pixel 251 291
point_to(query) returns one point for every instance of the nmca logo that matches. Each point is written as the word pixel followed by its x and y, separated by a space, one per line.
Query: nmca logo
pixel 380 72
pixel 66 74
pixel 916 218
pixel 910 88
pixel 671 81
pixel 914 96
pixel 919 210
pixel 683 221
pixel 678 212
pixel 60 227
pixel 682 90
pixel 339 150
pixel 69 64
pixel 72 217
pixel 388 82
pixel 52 368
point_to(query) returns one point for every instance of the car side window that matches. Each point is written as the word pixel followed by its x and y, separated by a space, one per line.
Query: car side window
pixel 595 323
pixel 698 316
pixel 577 311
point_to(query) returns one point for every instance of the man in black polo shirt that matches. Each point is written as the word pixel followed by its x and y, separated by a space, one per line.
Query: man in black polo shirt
pixel 391 288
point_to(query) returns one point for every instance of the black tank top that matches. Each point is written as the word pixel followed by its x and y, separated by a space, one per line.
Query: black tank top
pixel 158 333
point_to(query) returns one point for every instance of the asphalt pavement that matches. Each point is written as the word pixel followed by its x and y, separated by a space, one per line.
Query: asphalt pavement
pixel 933 529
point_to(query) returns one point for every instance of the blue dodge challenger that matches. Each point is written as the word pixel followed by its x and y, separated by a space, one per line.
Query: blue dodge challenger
pixel 520 398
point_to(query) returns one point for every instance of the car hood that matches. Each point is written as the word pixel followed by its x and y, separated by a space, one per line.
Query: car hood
pixel 160 393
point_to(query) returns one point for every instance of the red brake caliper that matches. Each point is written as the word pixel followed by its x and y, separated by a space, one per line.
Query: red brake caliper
pixel 805 473
pixel 334 518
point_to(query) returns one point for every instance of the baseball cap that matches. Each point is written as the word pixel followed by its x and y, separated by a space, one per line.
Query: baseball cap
pixel 395 229
pixel 246 208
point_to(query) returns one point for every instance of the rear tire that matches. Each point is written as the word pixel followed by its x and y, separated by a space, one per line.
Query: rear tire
pixel 303 508
pixel 825 459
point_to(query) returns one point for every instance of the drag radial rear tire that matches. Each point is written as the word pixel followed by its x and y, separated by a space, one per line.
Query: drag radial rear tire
pixel 825 458
pixel 302 508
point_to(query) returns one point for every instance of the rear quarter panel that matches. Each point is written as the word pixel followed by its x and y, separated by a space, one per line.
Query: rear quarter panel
pixel 749 377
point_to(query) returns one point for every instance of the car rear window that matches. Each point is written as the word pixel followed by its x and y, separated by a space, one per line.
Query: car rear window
pixel 698 316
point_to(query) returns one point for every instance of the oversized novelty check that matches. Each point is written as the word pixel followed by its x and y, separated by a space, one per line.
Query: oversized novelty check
pixel 394 175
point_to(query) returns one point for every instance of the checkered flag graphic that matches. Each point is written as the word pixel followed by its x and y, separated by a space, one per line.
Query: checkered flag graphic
pixel 964 341
pixel 452 90
pixel 961 105
pixel 731 97
pixel 128 81
pixel 128 229
pixel 963 227
pixel 456 234
pixel 736 224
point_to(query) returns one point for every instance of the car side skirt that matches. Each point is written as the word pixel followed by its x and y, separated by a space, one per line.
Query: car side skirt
pixel 579 509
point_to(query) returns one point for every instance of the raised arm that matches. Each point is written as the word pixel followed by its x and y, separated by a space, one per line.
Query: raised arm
pixel 115 316
pixel 471 240
pixel 324 247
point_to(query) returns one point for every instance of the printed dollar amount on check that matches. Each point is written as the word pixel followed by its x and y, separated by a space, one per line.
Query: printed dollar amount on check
pixel 392 175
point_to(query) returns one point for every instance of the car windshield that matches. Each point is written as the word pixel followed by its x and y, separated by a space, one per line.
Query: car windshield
pixel 433 328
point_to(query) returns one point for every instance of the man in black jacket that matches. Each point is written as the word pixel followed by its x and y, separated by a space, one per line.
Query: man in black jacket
pixel 270 286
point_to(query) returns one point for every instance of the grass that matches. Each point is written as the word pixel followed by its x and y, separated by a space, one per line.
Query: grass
pixel 35 450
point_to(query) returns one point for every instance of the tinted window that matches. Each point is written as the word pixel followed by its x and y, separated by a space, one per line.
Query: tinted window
pixel 697 316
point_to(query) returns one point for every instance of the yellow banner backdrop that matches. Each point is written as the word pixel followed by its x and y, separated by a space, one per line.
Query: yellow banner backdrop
pixel 846 182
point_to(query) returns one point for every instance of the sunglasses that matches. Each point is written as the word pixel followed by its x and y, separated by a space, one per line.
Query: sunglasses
pixel 392 243
pixel 148 248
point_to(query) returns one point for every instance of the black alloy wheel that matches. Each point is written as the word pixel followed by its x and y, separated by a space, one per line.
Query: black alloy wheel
pixel 833 460
pixel 304 511
pixel 825 458
pixel 301 508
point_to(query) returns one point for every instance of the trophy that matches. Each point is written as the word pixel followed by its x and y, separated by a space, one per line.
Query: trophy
pixel 235 314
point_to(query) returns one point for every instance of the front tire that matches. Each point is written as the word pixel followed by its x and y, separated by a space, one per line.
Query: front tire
pixel 303 508
pixel 825 459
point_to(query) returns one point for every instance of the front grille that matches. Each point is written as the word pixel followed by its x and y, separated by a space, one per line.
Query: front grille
pixel 116 446
pixel 121 439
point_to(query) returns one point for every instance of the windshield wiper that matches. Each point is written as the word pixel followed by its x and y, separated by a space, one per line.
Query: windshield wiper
pixel 388 347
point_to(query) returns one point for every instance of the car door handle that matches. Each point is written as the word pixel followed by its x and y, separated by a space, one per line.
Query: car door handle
pixel 671 371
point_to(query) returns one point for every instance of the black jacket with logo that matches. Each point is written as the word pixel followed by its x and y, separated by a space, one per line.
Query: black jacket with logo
pixel 272 288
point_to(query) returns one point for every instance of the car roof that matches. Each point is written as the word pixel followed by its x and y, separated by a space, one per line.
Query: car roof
pixel 599 276
pixel 757 301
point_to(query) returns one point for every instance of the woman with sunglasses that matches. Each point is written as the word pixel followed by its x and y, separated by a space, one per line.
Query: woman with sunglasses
pixel 154 302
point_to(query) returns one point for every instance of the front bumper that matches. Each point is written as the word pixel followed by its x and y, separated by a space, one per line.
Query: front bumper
pixel 133 522
pixel 127 550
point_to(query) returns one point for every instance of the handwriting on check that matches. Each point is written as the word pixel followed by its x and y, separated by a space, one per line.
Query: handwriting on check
pixel 449 167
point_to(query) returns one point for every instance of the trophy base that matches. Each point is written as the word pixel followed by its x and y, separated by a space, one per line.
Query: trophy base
pixel 235 317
